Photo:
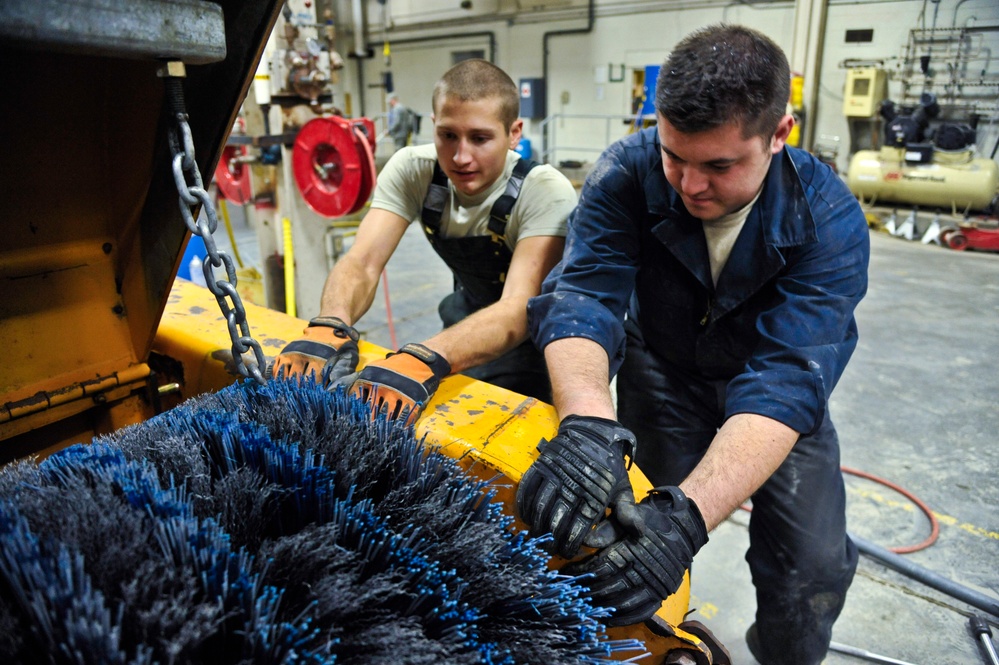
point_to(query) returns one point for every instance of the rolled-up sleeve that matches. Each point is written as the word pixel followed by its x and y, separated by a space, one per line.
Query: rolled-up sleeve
pixel 809 335
pixel 587 294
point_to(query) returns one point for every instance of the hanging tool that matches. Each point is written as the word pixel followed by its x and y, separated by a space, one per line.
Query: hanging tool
pixel 980 629
pixel 866 655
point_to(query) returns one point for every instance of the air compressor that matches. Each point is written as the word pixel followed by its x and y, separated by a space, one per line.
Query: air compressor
pixel 920 167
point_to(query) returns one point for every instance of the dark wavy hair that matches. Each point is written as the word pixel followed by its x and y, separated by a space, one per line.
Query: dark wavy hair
pixel 722 74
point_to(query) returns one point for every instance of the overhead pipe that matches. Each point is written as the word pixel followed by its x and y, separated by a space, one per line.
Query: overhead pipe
pixel 360 88
pixel 370 46
pixel 360 32
pixel 359 53
pixel 590 20
pixel 437 38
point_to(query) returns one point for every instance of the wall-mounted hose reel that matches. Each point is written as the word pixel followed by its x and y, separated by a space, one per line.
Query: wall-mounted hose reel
pixel 334 166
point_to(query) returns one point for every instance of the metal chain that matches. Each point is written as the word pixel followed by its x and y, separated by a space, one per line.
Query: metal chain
pixel 192 193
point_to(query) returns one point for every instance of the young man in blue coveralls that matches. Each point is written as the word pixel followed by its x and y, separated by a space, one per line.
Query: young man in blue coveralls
pixel 716 271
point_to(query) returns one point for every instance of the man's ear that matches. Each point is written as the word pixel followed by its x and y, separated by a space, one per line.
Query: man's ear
pixel 781 133
pixel 516 131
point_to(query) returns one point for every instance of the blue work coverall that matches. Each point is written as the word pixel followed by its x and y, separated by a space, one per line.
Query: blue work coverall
pixel 772 338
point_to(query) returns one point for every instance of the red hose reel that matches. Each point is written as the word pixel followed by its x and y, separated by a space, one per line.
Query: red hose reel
pixel 334 165
pixel 233 175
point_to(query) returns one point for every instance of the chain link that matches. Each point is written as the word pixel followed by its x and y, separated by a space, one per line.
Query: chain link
pixel 192 194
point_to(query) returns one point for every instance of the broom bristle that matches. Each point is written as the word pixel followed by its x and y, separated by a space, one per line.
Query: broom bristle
pixel 275 524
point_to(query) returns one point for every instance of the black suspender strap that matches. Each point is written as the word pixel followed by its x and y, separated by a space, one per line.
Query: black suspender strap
pixel 499 215
pixel 435 200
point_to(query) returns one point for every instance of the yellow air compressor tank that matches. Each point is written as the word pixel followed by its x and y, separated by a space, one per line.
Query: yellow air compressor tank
pixel 952 180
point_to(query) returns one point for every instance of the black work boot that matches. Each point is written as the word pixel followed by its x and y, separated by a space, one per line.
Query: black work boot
pixel 755 648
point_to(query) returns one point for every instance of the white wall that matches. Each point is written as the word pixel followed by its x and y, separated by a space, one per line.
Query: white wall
pixel 634 34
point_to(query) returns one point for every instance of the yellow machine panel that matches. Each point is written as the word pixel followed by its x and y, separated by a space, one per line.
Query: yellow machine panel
pixel 489 430
pixel 866 88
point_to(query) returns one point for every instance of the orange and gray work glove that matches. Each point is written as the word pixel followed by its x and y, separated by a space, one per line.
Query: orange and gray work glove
pixel 327 351
pixel 401 385
pixel 579 474
pixel 645 560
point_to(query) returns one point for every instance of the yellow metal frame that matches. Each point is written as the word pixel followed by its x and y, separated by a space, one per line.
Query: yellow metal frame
pixel 490 431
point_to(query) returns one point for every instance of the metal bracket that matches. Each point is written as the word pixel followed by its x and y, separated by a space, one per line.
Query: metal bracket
pixel 192 31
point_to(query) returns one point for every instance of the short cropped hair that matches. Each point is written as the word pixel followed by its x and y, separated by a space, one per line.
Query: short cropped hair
pixel 472 80
pixel 722 74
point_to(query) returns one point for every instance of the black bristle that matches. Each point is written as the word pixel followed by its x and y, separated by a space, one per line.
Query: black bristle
pixel 276 523
pixel 244 503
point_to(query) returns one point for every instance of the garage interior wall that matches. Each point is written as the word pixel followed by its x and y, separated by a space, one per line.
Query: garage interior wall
pixel 592 73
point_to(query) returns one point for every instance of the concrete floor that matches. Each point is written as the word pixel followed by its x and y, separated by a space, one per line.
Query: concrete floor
pixel 916 406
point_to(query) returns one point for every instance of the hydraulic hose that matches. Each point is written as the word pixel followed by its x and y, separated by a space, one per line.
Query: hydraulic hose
pixel 927 577
pixel 892 559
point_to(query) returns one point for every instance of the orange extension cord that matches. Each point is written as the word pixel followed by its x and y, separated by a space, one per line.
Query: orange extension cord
pixel 934 524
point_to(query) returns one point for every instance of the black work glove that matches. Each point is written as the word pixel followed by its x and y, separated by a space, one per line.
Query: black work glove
pixel 638 572
pixel 327 350
pixel 400 385
pixel 578 475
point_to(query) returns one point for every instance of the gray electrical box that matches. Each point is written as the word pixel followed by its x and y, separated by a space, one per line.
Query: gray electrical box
pixel 532 98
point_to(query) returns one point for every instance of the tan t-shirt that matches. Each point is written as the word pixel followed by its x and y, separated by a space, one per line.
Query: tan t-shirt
pixel 546 198
pixel 721 235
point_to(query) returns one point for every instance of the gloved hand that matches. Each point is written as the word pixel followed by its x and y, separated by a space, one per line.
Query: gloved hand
pixel 402 383
pixel 636 573
pixel 327 349
pixel 578 475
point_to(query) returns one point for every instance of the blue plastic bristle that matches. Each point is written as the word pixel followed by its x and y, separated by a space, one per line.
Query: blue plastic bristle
pixel 405 553
pixel 63 612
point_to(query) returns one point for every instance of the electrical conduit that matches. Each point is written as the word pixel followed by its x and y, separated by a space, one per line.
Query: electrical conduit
pixel 289 269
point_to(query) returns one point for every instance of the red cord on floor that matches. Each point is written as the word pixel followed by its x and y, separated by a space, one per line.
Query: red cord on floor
pixel 934 523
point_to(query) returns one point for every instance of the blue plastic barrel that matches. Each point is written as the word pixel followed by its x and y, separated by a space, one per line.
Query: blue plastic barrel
pixel 195 247
pixel 524 148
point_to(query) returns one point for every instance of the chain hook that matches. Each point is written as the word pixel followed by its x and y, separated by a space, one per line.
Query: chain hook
pixel 191 194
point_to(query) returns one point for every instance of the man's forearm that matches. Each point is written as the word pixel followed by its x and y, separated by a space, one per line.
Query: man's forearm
pixel 743 455
pixel 348 292
pixel 580 376
pixel 482 336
